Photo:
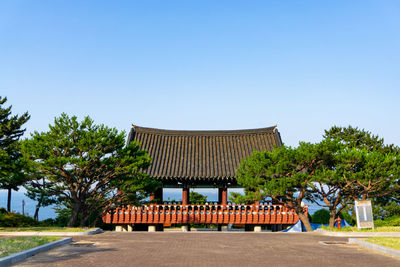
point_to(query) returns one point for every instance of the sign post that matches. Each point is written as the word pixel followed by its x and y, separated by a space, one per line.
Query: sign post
pixel 365 219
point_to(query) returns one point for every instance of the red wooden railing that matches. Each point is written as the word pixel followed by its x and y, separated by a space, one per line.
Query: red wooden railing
pixel 213 214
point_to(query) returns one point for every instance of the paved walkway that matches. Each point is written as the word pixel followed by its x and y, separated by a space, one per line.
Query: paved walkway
pixel 208 249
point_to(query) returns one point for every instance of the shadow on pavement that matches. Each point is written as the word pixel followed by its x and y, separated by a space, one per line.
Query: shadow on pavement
pixel 67 252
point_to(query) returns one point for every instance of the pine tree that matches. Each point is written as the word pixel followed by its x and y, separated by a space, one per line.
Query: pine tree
pixel 87 164
pixel 286 175
pixel 363 167
pixel 11 163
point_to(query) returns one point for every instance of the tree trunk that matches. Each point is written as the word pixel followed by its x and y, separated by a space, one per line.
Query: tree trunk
pixel 304 220
pixel 83 221
pixel 74 216
pixel 84 218
pixel 36 216
pixel 9 200
pixel 332 218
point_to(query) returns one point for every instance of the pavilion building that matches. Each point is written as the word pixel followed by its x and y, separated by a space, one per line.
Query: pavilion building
pixel 201 159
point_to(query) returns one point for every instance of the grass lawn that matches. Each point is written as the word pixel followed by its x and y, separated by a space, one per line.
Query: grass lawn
pixel 355 229
pixel 13 245
pixel 390 242
pixel 44 229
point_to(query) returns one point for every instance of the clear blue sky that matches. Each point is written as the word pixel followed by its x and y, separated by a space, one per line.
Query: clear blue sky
pixel 303 65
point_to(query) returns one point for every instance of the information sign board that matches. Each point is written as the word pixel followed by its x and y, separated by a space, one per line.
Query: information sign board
pixel 364 215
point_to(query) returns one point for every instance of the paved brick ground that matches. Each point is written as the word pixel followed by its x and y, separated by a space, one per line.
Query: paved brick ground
pixel 209 249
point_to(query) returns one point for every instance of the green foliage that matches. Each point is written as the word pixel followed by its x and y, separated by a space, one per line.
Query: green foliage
pixel 362 174
pixel 11 163
pixel 389 221
pixel 349 164
pixel 392 209
pixel 197 198
pixel 87 163
pixel 40 190
pixel 384 209
pixel 12 219
pixel 354 137
pixel 63 216
pixel 321 216
pixel 286 174
pixel 350 218
pixel 361 167
pixel 10 126
pixel 371 167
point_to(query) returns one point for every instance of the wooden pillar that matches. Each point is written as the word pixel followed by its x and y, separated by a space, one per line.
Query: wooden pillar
pixel 185 196
pixel 185 201
pixel 223 200
pixel 223 196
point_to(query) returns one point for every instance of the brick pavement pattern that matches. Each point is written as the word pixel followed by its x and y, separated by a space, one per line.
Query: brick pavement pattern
pixel 208 249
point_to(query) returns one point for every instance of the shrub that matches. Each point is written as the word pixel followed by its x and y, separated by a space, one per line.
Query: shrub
pixel 48 222
pixel 389 221
pixel 321 216
pixel 12 219
pixel 3 210
pixel 393 209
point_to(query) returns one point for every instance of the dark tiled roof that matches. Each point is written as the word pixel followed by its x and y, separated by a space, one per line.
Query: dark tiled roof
pixel 201 156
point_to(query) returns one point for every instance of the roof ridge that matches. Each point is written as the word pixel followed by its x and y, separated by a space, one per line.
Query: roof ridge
pixel 140 129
